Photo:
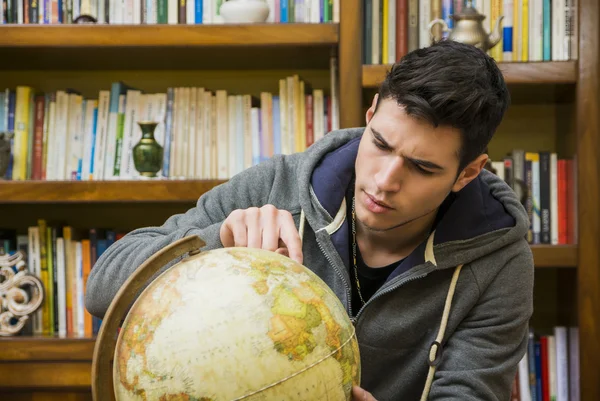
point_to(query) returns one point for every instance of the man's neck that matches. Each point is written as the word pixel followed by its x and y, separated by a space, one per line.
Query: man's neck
pixel 381 248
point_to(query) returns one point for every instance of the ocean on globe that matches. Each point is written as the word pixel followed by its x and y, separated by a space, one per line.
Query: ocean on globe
pixel 236 324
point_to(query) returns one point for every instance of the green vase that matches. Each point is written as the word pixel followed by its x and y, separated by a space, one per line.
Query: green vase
pixel 147 153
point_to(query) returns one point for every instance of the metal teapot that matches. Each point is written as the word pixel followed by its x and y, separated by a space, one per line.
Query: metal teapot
pixel 468 28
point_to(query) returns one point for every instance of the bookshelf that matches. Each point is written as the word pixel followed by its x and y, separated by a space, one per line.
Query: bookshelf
pixel 534 73
pixel 156 36
pixel 568 91
pixel 57 365
pixel 167 47
pixel 36 192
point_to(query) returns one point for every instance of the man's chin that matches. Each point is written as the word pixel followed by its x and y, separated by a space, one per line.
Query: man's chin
pixel 380 226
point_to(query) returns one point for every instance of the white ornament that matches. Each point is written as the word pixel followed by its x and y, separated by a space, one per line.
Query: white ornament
pixel 244 11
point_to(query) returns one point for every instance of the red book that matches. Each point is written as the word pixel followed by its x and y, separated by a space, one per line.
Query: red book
pixel 545 375
pixel 401 29
pixel 38 138
pixel 561 170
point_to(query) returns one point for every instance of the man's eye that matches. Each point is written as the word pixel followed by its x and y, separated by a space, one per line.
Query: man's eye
pixel 380 145
pixel 422 170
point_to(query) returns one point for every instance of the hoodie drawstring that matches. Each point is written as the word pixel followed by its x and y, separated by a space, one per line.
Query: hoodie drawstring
pixel 301 228
pixel 435 354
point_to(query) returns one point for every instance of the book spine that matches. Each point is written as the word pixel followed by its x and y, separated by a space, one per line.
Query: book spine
pixel 562 201
pixel 119 139
pixel 401 28
pixel 182 11
pixel 553 199
pixel 547 27
pixel 53 234
pixel 198 12
pixel 38 138
pixel 507 30
pixel 571 198
pixel 545 197
pixel 21 133
pixel 61 288
pixel 525 30
pixel 45 319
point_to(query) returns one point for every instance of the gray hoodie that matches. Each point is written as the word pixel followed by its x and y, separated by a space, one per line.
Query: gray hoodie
pixel 482 227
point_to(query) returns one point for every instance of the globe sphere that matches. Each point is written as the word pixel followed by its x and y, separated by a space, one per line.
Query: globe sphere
pixel 236 324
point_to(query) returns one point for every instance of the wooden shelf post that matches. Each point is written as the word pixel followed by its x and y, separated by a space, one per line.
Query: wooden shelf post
pixel 588 166
pixel 350 65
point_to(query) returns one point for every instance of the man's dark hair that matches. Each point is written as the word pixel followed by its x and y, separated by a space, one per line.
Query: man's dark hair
pixel 451 84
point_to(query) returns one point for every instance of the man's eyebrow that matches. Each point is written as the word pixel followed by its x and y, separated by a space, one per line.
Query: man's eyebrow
pixel 424 163
pixel 419 162
pixel 379 137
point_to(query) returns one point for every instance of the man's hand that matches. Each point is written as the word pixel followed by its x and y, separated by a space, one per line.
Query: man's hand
pixel 267 228
pixel 360 394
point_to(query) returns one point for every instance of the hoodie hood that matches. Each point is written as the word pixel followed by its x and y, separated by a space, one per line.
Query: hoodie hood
pixel 483 217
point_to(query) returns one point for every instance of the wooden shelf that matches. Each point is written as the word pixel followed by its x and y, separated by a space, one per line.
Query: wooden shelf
pixel 242 46
pixel 104 191
pixel 549 72
pixel 554 256
pixel 46 363
pixel 40 348
pixel 160 35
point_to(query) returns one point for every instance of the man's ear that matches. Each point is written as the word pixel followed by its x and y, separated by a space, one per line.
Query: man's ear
pixel 371 109
pixel 470 172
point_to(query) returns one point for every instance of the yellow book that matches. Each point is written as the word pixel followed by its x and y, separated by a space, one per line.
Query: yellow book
pixel 525 31
pixel 69 281
pixel 516 53
pixel 496 51
pixel 283 117
pixel 87 266
pixel 302 116
pixel 297 129
pixel 50 287
pixel 44 276
pixel 21 139
pixel 385 31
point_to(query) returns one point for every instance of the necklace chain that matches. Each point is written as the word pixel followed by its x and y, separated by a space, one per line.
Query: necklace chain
pixel 354 252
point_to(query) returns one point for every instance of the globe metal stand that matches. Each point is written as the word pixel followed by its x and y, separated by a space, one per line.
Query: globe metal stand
pixel 104 349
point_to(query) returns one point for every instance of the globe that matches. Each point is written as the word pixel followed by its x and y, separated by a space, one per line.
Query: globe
pixel 236 324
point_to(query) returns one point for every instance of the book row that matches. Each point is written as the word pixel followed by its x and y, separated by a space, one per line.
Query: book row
pixel 158 11
pixel 62 259
pixel 530 30
pixel 546 186
pixel 549 370
pixel 204 134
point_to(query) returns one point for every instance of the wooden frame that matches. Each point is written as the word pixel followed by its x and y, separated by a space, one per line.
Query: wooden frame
pixel 588 166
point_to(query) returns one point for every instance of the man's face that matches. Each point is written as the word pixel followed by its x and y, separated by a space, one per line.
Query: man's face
pixel 405 168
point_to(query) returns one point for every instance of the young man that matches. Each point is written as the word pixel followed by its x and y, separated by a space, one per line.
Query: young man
pixel 395 218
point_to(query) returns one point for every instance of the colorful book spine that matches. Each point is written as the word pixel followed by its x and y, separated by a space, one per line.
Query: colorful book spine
pixel 507 30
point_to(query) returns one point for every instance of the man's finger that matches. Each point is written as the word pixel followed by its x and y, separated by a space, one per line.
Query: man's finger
pixel 254 229
pixel 282 251
pixel 360 394
pixel 290 237
pixel 240 236
pixel 270 231
pixel 226 235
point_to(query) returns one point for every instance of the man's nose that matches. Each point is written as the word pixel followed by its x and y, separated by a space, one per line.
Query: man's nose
pixel 389 176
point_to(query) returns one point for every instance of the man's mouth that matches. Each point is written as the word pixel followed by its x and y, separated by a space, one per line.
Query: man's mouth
pixel 378 201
